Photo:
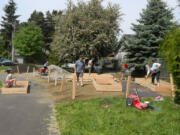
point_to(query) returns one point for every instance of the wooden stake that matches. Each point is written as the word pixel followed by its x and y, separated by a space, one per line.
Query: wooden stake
pixel 128 85
pixel 34 72
pixel 74 87
pixel 55 78
pixel 18 69
pixel 40 73
pixel 62 83
pixel 49 73
pixel 28 69
pixel 172 86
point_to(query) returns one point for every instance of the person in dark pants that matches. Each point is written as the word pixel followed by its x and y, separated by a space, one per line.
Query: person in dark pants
pixel 156 75
pixel 153 70
pixel 79 70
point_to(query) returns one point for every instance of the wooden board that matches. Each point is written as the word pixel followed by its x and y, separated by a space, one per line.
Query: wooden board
pixel 103 81
pixel 22 90
pixel 103 87
pixel 164 87
pixel 87 77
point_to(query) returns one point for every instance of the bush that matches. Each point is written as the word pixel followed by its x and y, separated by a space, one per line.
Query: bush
pixel 170 50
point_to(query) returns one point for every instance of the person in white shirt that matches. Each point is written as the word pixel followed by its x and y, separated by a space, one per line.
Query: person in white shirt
pixel 90 65
pixel 45 65
pixel 153 70
pixel 10 81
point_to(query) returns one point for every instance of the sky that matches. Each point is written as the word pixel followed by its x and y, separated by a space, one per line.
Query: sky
pixel 130 9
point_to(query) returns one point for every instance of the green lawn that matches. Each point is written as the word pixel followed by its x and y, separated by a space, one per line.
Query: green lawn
pixel 90 118
pixel 3 68
pixel 0 84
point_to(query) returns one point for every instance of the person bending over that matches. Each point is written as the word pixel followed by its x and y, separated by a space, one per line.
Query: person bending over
pixel 153 70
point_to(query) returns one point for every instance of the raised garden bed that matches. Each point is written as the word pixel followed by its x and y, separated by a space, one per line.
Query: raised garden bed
pixel 21 88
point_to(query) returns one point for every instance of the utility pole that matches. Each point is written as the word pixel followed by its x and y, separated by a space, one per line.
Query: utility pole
pixel 12 40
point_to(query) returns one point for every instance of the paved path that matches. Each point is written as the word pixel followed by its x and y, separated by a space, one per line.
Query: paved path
pixel 27 114
pixel 142 91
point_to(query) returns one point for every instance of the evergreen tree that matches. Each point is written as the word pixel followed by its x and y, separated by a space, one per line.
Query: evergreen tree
pixel 47 25
pixel 154 23
pixel 37 18
pixel 2 47
pixel 8 24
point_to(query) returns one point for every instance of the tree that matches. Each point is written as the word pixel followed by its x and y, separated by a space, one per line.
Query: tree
pixel 47 25
pixel 2 46
pixel 155 22
pixel 37 18
pixel 88 29
pixel 170 50
pixel 8 21
pixel 50 27
pixel 29 42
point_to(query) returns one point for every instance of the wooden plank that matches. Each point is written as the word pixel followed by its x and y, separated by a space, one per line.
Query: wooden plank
pixel 34 72
pixel 164 89
pixel 56 78
pixel 16 90
pixel 62 83
pixel 164 86
pixel 18 69
pixel 172 86
pixel 28 69
pixel 74 88
pixel 115 87
pixel 40 73
pixel 104 81
pixel 49 73
pixel 128 86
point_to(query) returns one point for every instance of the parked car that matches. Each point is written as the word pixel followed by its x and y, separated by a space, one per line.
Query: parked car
pixel 6 62
pixel 108 63
pixel 3 59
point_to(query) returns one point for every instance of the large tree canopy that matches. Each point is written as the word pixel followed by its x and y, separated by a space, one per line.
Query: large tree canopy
pixel 154 23
pixel 9 21
pixel 29 42
pixel 88 29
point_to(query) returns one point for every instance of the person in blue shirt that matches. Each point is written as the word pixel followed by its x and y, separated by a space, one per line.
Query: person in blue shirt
pixel 45 65
pixel 153 70
pixel 79 70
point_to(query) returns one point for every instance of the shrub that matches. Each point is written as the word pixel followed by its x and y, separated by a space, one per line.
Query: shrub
pixel 170 50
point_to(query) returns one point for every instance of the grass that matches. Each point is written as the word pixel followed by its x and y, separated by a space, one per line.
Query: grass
pixel 90 118
pixel 0 84
pixel 3 68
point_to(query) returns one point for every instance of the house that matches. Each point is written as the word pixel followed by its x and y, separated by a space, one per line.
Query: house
pixel 121 54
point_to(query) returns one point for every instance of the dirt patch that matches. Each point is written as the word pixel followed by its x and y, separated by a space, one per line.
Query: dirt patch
pixel 82 93
pixel 87 91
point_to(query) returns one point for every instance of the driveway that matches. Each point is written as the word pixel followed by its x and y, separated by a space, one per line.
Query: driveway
pixel 27 114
